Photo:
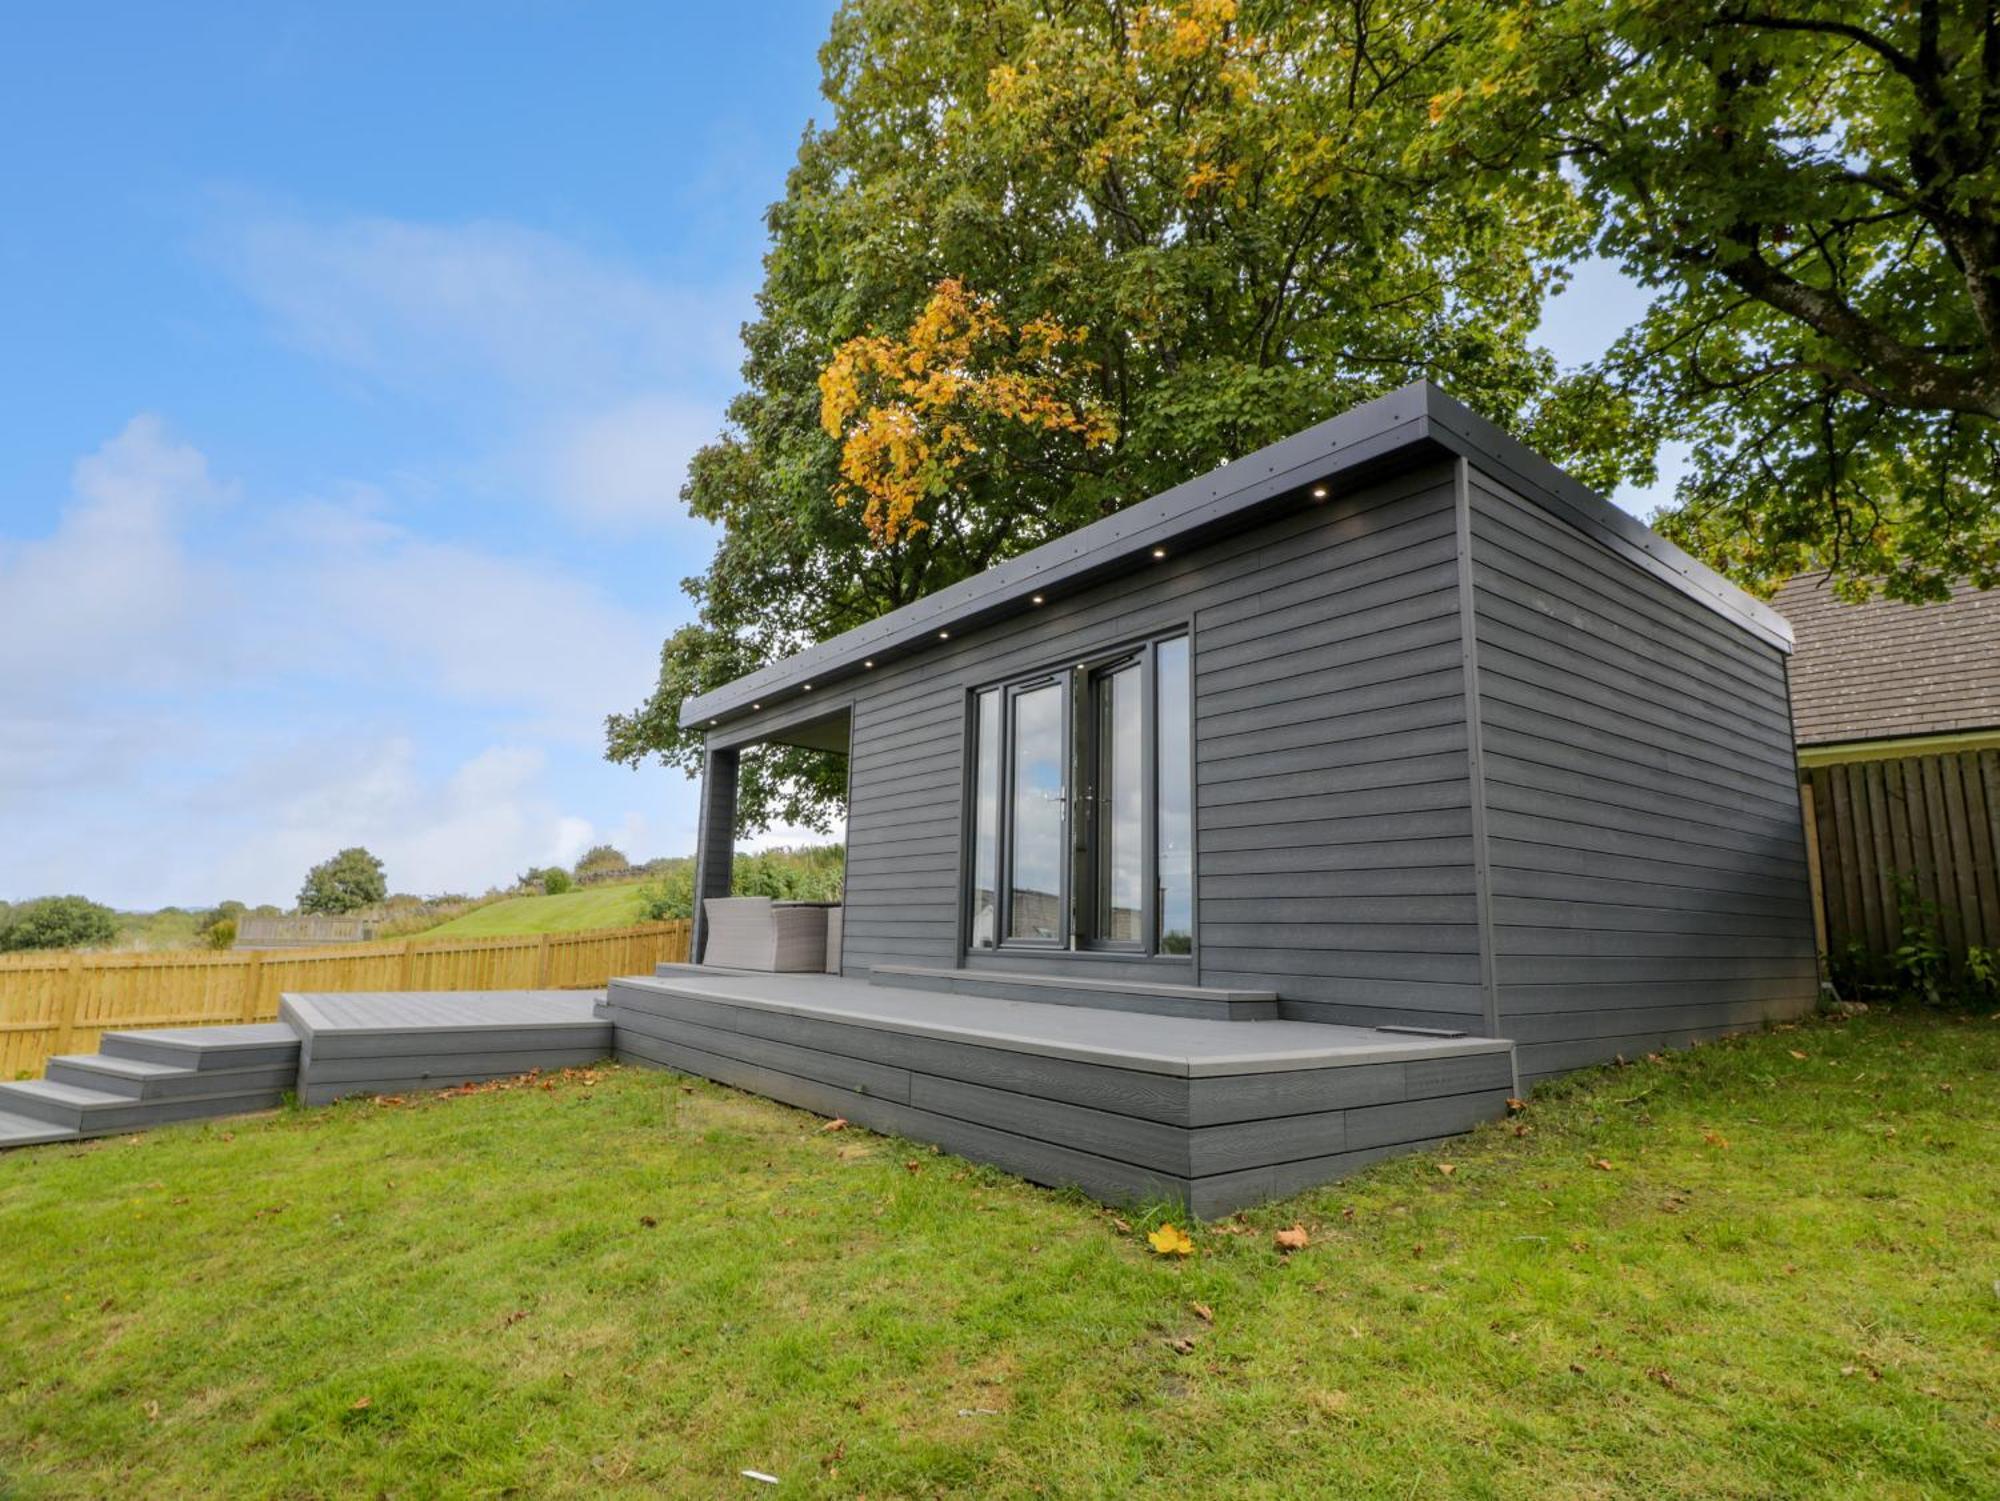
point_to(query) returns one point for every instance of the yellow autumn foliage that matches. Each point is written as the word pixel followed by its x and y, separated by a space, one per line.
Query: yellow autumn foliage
pixel 908 411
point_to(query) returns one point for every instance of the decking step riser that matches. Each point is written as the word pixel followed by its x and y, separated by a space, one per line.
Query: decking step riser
pixel 1192 1002
pixel 188 1082
pixel 132 1115
pixel 181 1055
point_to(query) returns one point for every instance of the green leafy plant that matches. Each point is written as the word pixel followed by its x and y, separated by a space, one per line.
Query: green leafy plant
pixel 1920 961
pixel 1982 975
pixel 347 882
pixel 57 922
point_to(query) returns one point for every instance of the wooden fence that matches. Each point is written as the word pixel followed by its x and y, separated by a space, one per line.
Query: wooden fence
pixel 1932 819
pixel 58 1002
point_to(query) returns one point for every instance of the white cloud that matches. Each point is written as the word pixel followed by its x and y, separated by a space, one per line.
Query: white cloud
pixel 609 378
pixel 105 598
pixel 197 712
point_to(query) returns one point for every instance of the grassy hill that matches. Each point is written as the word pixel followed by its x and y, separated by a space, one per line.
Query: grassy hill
pixel 608 906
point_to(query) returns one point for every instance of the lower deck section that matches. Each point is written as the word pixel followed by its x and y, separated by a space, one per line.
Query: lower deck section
pixel 402 1042
pixel 1215 1114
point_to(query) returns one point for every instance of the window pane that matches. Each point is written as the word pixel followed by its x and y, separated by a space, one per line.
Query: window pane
pixel 1036 855
pixel 986 821
pixel 1119 811
pixel 1176 794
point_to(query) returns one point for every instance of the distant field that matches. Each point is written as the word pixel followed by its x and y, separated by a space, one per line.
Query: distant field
pixel 597 907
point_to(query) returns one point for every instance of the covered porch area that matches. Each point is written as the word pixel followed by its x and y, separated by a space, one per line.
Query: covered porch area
pixel 824 729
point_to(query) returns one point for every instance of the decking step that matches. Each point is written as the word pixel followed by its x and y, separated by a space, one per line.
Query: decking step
pixel 60 1104
pixel 26 1131
pixel 1157 998
pixel 142 1079
pixel 244 1046
pixel 84 1111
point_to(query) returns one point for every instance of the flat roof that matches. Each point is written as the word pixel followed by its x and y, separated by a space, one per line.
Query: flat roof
pixel 1408 425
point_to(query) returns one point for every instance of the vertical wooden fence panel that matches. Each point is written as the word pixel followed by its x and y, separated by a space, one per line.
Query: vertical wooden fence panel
pixel 1934 820
pixel 60 1003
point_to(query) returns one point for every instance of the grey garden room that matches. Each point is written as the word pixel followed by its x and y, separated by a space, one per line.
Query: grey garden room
pixel 1298 815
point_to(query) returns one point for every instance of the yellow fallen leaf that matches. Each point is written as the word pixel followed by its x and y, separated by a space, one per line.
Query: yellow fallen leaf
pixel 838 1123
pixel 1294 1239
pixel 1796 1054
pixel 1447 1168
pixel 1170 1240
pixel 1602 1164
pixel 362 1404
pixel 1203 1312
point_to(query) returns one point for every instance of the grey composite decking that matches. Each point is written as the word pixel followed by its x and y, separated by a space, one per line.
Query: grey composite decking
pixel 141 1079
pixel 1216 1114
pixel 389 1042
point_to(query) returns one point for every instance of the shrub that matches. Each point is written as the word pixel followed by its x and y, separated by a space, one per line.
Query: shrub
pixel 669 895
pixel 600 860
pixel 555 881
pixel 220 934
pixel 346 883
pixel 57 922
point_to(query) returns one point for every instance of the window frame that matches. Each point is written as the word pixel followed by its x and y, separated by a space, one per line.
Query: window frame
pixel 1076 681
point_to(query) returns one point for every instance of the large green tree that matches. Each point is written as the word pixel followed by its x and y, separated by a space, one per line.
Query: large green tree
pixel 1811 188
pixel 1048 258
pixel 343 883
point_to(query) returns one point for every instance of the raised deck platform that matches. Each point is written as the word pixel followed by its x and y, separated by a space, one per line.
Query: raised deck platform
pixel 398 1042
pixel 1218 1114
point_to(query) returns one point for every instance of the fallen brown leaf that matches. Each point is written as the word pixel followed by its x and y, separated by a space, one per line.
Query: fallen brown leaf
pixel 1123 1227
pixel 1515 1106
pixel 1716 1139
pixel 1203 1312
pixel 1796 1054
pixel 838 1123
pixel 362 1404
pixel 648 1221
pixel 1602 1164
pixel 1294 1239
pixel 1447 1168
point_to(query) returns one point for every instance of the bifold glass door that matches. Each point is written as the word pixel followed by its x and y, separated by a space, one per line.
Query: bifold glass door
pixel 1081 809
pixel 1113 851
pixel 1037 806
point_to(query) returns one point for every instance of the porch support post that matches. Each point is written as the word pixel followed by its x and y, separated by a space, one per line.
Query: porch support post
pixel 715 845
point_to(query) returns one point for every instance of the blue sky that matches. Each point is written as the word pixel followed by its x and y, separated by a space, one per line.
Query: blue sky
pixel 352 356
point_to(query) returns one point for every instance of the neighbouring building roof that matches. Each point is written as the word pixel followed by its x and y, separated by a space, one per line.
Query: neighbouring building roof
pixel 1885 670
pixel 1416 422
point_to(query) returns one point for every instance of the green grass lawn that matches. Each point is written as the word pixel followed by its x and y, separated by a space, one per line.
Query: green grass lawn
pixel 1765 1268
pixel 608 906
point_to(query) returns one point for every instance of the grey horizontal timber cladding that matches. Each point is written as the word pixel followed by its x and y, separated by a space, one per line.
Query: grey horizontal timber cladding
pixel 1601 599
pixel 1321 623
pixel 1647 859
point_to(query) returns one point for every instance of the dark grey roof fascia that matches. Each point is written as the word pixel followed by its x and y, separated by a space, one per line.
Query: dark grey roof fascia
pixel 1414 418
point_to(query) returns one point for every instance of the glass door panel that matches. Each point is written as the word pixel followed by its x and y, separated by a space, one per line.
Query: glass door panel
pixel 1035 855
pixel 1174 897
pixel 986 821
pixel 1118 809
